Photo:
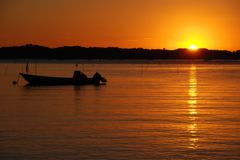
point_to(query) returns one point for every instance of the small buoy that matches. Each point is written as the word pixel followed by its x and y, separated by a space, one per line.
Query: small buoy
pixel 14 82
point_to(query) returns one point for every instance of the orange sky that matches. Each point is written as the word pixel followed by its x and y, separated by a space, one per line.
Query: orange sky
pixel 170 24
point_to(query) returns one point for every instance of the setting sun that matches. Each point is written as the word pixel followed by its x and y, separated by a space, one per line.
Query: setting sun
pixel 193 47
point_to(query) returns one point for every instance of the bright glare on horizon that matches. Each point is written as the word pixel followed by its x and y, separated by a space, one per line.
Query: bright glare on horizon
pixel 193 47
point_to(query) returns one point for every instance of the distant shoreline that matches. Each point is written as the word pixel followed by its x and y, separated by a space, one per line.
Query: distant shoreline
pixel 77 53
pixel 116 61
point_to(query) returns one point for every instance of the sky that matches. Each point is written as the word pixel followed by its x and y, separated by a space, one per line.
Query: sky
pixel 170 24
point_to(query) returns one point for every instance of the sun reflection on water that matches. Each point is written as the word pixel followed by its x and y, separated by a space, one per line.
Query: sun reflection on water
pixel 192 108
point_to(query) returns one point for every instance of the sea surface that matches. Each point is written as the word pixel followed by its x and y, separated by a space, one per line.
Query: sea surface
pixel 160 110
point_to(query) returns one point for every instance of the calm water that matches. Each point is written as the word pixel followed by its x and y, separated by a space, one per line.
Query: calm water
pixel 148 111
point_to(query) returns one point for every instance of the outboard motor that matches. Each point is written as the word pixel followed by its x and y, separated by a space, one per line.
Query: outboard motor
pixel 97 78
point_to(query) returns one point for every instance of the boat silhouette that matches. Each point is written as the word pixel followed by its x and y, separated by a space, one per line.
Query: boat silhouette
pixel 78 78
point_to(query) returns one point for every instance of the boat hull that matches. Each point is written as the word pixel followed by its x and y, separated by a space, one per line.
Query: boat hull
pixel 45 80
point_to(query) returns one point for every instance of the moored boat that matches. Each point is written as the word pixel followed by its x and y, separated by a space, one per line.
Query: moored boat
pixel 78 78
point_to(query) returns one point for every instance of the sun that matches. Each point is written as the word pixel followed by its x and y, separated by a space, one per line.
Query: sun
pixel 193 47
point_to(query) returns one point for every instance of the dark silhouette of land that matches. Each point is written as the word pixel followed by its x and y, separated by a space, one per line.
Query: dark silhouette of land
pixel 76 52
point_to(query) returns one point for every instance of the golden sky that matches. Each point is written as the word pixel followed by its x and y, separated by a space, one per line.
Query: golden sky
pixel 170 24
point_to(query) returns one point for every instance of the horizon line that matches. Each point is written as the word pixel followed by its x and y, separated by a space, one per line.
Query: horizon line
pixel 30 44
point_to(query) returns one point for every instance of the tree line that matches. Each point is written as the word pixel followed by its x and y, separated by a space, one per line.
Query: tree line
pixel 76 52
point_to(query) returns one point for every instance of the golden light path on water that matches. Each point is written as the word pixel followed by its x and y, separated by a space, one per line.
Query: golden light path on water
pixel 192 108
